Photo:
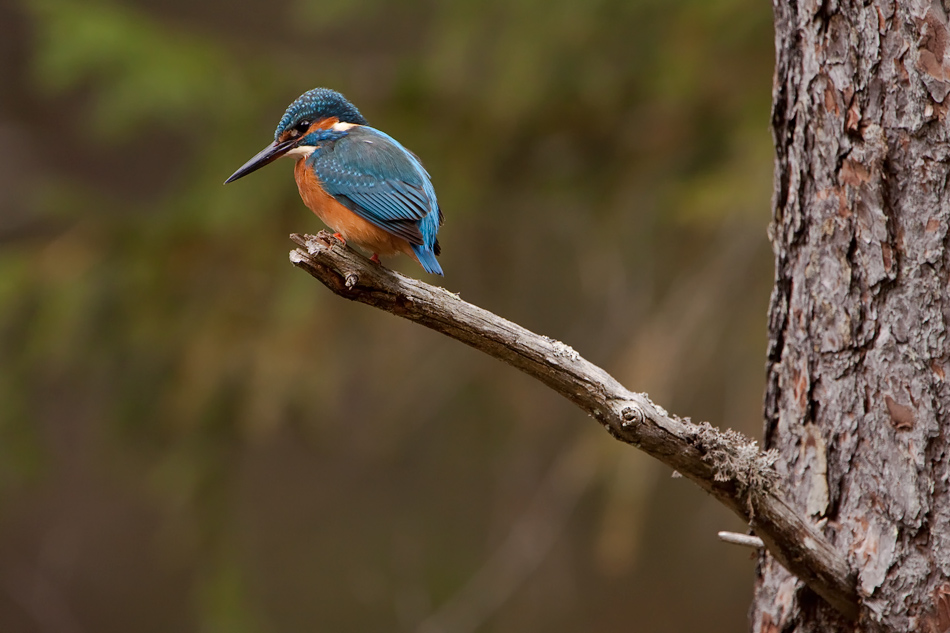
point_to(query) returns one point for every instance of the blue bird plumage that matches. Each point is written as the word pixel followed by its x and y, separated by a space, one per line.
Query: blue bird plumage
pixel 364 170
pixel 316 104
pixel 375 177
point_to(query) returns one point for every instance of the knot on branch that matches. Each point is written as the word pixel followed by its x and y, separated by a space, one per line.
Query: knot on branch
pixel 737 458
pixel 632 416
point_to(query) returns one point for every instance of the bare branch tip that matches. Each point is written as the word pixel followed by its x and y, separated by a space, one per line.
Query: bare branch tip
pixel 745 540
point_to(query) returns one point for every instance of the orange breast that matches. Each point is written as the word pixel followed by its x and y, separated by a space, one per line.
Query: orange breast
pixel 352 227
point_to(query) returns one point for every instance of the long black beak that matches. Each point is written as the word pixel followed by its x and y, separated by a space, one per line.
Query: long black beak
pixel 267 155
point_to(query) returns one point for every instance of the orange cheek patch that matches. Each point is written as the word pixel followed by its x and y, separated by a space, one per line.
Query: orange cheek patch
pixel 323 124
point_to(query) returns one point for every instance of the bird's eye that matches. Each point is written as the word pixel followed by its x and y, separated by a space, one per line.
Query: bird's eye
pixel 300 128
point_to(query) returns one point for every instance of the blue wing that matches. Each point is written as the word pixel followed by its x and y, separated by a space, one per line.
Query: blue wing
pixel 374 176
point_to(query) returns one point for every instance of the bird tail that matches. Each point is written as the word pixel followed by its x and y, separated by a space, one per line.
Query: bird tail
pixel 426 252
pixel 426 257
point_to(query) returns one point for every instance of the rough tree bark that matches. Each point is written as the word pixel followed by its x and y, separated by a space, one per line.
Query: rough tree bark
pixel 857 396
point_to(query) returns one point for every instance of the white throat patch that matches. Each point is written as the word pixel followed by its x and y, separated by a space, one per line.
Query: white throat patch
pixel 301 152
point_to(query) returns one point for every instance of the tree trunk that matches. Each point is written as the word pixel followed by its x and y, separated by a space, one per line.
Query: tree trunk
pixel 857 396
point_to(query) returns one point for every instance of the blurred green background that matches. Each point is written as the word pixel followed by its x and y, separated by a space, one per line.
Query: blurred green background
pixel 195 436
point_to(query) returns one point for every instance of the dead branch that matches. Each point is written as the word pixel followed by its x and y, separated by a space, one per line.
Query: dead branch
pixel 726 464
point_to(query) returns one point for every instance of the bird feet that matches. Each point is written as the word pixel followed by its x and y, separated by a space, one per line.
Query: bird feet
pixel 340 237
pixel 375 259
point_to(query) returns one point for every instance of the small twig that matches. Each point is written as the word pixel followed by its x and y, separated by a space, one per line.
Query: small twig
pixel 745 540
pixel 724 464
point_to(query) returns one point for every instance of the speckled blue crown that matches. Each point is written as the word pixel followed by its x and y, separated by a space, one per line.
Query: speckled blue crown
pixel 316 104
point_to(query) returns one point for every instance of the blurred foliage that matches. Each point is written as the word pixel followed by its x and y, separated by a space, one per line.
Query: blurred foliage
pixel 142 75
pixel 192 428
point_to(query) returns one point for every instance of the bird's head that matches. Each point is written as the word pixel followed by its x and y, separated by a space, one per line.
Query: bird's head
pixel 317 109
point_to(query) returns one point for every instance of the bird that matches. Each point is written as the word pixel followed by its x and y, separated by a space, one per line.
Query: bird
pixel 361 182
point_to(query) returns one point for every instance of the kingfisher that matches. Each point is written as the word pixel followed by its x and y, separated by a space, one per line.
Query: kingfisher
pixel 361 182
